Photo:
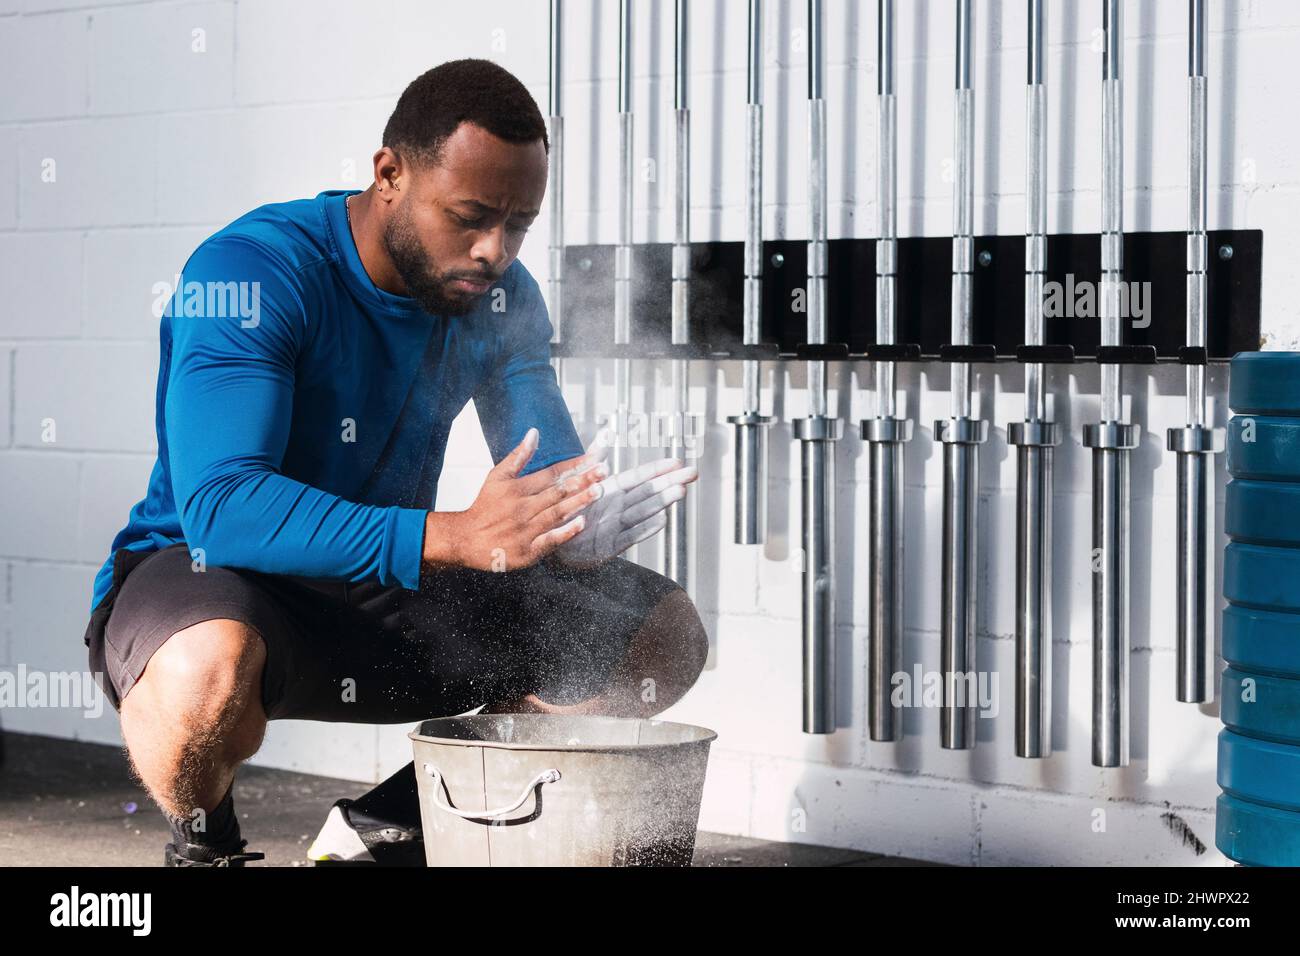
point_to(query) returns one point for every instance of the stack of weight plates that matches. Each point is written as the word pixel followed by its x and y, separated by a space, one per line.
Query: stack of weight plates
pixel 1258 820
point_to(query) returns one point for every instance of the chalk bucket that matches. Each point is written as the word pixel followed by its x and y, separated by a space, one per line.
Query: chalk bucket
pixel 552 790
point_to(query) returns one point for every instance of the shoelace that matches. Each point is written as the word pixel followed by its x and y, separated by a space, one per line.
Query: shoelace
pixel 238 858
pixel 226 859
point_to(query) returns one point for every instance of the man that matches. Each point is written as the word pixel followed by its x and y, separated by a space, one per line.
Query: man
pixel 285 561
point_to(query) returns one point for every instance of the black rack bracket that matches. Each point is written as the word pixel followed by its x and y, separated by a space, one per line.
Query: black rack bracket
pixel 1154 301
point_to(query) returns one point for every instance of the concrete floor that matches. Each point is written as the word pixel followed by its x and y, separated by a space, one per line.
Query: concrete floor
pixel 68 803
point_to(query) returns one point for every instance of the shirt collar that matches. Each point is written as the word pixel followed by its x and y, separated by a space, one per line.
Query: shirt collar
pixel 354 273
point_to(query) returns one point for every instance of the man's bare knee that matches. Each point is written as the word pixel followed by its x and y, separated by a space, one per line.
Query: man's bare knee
pixel 203 686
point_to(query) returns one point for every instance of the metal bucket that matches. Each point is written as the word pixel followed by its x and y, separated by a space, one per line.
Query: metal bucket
pixel 550 790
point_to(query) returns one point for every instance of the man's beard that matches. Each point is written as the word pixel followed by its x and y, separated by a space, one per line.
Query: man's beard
pixel 423 282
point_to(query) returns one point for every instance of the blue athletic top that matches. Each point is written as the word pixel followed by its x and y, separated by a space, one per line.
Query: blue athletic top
pixel 302 412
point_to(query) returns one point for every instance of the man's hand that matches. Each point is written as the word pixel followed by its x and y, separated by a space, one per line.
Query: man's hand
pixel 515 522
pixel 630 509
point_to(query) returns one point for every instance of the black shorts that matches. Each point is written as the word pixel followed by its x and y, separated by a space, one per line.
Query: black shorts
pixel 362 652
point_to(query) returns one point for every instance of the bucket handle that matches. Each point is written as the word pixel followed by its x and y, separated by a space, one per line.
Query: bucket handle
pixel 546 776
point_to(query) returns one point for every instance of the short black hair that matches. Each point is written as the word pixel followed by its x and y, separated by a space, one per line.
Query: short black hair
pixel 459 91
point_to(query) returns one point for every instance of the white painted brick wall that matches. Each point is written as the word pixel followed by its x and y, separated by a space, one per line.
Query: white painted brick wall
pixel 54 47
pixel 38 511
pixel 8 177
pixel 121 267
pixel 6 388
pixel 46 623
pixel 88 173
pixel 183 58
pixel 43 270
pixel 121 146
pixel 85 396
pixel 107 478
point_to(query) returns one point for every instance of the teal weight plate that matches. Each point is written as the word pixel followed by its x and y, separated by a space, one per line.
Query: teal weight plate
pixel 1256 835
pixel 1267 449
pixel 1259 770
pixel 1262 577
pixel 1262 512
pixel 1266 642
pixel 1261 705
pixel 1264 383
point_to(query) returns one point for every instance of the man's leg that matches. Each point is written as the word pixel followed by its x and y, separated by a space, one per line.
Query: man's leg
pixel 194 714
pixel 619 641
pixel 664 658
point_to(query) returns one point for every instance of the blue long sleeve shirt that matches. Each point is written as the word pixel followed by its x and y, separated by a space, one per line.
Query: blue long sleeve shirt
pixel 302 412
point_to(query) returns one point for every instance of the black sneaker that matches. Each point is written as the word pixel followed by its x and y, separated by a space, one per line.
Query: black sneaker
pixel 199 854
pixel 380 828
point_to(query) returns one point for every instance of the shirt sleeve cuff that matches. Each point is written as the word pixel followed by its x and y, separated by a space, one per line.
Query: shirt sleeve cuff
pixel 406 547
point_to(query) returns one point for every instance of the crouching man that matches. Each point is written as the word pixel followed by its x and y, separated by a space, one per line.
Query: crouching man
pixel 285 561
